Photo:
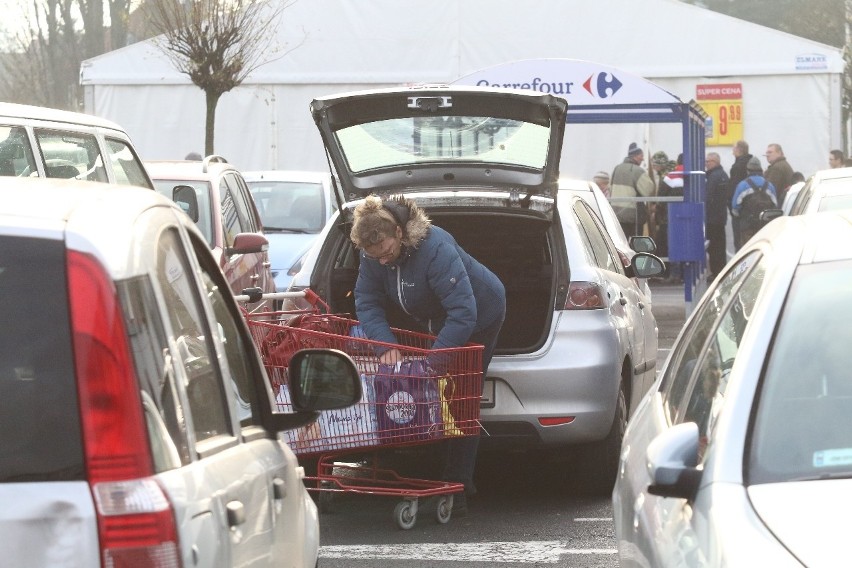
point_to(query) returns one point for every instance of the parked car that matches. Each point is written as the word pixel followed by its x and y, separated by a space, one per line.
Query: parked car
pixel 738 456
pixel 227 217
pixel 578 346
pixel 826 190
pixel 138 424
pixel 43 142
pixel 593 195
pixel 294 207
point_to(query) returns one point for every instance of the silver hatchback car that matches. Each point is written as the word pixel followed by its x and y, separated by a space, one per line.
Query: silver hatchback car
pixel 741 454
pixel 578 346
pixel 136 420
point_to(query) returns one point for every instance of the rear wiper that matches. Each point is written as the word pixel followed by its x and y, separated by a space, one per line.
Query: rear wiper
pixel 284 230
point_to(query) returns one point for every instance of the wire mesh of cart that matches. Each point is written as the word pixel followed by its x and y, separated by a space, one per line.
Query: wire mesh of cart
pixel 432 395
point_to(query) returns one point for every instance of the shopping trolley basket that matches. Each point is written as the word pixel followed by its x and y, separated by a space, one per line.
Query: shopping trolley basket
pixel 432 395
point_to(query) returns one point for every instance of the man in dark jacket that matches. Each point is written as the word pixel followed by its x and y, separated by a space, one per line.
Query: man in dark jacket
pixel 716 213
pixel 739 171
pixel 780 172
pixel 407 261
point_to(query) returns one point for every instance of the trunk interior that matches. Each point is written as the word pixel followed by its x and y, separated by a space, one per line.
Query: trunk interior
pixel 518 249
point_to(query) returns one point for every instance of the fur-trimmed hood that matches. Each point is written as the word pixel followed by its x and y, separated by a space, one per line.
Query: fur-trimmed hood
pixel 417 227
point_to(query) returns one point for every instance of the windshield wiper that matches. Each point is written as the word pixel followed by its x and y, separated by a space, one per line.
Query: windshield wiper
pixel 284 230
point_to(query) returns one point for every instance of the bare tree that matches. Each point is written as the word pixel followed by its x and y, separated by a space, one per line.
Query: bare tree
pixel 217 43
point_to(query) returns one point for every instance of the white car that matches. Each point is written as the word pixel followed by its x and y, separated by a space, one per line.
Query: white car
pixel 137 423
pixel 740 453
pixel 294 207
pixel 578 346
pixel 826 190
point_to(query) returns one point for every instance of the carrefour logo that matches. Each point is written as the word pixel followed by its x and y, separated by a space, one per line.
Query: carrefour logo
pixel 602 85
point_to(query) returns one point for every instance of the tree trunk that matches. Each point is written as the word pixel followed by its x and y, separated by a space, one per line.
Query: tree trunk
pixel 212 98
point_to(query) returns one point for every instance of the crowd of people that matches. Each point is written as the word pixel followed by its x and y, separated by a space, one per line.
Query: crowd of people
pixel 738 194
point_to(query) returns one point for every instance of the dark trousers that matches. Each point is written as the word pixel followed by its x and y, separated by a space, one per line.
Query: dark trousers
pixel 716 247
pixel 460 456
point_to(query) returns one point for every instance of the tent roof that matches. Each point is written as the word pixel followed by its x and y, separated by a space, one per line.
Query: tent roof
pixel 392 42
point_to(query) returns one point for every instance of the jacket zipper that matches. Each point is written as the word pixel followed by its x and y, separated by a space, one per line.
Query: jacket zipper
pixel 399 290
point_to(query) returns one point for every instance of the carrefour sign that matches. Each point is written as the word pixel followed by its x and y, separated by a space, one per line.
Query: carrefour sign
pixel 580 82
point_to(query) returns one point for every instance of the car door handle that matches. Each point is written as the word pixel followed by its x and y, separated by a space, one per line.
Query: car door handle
pixel 279 488
pixel 623 301
pixel 641 306
pixel 236 513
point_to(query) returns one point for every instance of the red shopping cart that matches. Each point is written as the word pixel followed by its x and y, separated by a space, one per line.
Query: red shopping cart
pixel 432 396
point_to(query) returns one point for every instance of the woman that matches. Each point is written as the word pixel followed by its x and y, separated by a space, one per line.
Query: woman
pixel 420 267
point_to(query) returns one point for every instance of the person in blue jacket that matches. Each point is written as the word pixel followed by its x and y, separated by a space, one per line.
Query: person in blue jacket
pixel 407 261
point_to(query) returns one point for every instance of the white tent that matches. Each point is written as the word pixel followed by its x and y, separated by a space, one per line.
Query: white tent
pixel 790 86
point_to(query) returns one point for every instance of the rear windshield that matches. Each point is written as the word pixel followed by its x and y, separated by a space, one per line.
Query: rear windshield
pixel 39 421
pixel 420 140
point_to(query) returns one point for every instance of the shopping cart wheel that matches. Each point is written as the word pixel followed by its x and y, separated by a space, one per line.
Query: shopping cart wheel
pixel 406 514
pixel 445 509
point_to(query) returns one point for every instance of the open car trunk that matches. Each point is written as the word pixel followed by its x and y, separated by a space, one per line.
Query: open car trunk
pixel 519 249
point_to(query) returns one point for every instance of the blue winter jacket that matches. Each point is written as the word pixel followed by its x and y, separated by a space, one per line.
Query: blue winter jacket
pixel 435 281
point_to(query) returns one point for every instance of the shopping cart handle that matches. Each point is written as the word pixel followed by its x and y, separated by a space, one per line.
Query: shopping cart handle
pixel 253 294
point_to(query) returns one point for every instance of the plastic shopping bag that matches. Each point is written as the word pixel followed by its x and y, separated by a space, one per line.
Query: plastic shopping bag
pixel 351 427
pixel 407 403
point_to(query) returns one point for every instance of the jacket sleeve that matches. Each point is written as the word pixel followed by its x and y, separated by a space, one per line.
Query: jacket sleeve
pixel 370 301
pixel 451 284
pixel 644 185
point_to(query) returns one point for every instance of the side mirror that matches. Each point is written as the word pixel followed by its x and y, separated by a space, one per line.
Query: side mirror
pixel 768 215
pixel 185 197
pixel 248 243
pixel 646 265
pixel 323 379
pixel 642 244
pixel 672 460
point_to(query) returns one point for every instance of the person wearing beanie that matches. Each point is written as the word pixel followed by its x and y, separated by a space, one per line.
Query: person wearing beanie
pixel 601 179
pixel 738 174
pixel 753 182
pixel 630 180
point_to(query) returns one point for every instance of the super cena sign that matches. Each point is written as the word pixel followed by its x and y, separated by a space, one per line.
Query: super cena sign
pixel 580 82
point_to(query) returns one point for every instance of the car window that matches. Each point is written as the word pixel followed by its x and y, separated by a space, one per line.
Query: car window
pixel 69 154
pixel 602 251
pixel 233 213
pixel 802 199
pixel 40 438
pixel 16 154
pixel 701 348
pixel 803 420
pixel 245 207
pixel 710 382
pixel 238 347
pixel 126 166
pixel 289 204
pixel 195 349
pixel 164 412
pixel 835 202
pixel 166 187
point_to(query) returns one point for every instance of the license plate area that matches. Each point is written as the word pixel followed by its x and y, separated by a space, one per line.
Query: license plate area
pixel 487 400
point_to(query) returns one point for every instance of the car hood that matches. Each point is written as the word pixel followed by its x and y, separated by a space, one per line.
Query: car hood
pixel 435 138
pixel 808 517
pixel 286 249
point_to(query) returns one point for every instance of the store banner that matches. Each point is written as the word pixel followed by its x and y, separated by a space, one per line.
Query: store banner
pixel 723 104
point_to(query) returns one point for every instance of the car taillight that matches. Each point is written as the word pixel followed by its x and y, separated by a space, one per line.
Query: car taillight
pixel 136 526
pixel 585 296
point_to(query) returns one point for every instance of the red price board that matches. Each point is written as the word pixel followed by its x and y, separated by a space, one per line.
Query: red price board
pixel 723 103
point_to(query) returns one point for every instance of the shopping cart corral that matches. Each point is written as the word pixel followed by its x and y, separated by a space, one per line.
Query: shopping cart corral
pixel 429 397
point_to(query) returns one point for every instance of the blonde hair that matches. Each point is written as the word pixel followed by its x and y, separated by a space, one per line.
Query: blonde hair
pixel 372 223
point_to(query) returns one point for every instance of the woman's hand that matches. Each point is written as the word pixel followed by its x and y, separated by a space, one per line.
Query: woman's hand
pixel 390 357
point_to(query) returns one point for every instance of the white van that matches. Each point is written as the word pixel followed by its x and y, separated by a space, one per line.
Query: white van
pixel 45 142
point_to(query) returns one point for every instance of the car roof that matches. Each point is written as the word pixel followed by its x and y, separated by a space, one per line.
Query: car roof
pixel 287 175
pixel 88 215
pixel 24 112
pixel 820 236
pixel 186 169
